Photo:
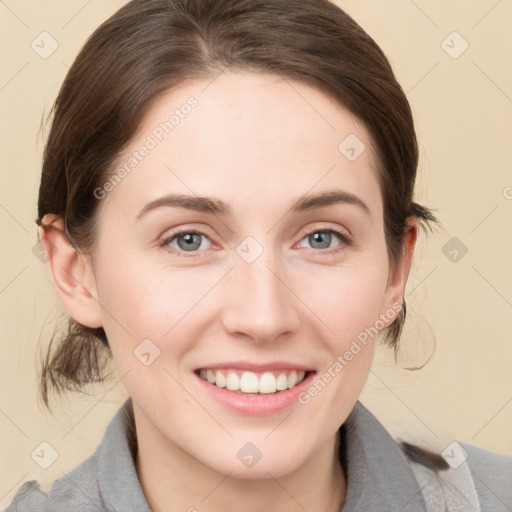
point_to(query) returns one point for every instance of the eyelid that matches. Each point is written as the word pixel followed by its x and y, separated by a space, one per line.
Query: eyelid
pixel 342 232
pixel 343 235
pixel 167 239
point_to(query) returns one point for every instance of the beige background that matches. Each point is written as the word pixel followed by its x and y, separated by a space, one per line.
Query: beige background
pixel 463 110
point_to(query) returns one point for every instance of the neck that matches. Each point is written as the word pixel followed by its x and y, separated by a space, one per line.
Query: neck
pixel 173 480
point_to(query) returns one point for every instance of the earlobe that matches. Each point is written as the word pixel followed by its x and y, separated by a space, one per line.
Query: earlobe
pixel 398 279
pixel 70 272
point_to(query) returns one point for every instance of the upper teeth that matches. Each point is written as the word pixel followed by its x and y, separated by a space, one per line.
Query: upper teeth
pixel 250 382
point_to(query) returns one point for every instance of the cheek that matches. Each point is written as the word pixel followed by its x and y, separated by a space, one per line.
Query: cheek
pixel 143 300
pixel 349 302
pixel 349 305
pixel 347 299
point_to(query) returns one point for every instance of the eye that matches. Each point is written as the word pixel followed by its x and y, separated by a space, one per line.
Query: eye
pixel 186 242
pixel 192 241
pixel 321 239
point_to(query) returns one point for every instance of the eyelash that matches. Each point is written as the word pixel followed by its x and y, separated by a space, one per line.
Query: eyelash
pixel 345 239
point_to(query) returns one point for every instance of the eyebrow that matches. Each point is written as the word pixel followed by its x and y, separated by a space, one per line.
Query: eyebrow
pixel 218 207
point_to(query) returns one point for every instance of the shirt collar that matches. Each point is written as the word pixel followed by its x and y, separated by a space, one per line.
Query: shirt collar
pixel 117 475
pixel 378 474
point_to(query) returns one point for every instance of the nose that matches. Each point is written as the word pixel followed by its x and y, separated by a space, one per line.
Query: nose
pixel 258 302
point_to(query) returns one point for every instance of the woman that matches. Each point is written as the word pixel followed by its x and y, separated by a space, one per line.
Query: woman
pixel 227 211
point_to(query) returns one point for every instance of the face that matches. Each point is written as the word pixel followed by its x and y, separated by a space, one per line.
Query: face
pixel 249 282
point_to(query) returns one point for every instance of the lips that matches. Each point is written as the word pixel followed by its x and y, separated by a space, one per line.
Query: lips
pixel 254 389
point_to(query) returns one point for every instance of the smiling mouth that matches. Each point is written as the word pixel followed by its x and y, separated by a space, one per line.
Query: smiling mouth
pixel 269 382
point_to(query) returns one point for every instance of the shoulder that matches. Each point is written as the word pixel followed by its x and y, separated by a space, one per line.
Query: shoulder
pixel 76 490
pixel 108 475
pixel 492 475
pixel 463 477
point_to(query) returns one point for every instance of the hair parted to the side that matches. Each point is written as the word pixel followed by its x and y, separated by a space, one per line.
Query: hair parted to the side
pixel 151 46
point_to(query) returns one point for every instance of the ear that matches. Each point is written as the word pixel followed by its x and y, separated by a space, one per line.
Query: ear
pixel 394 294
pixel 70 272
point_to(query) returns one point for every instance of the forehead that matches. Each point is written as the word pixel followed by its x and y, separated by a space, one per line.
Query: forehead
pixel 248 138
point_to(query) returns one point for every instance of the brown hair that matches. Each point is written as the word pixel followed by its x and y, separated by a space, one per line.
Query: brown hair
pixel 149 46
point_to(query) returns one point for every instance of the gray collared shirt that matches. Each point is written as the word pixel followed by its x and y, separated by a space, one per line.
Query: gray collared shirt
pixel 379 476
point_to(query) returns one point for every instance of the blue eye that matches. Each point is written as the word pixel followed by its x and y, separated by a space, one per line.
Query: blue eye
pixel 321 239
pixel 187 241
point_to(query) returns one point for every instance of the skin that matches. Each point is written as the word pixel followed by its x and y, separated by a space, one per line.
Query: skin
pixel 256 144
